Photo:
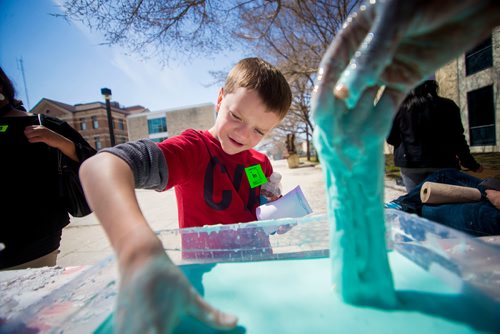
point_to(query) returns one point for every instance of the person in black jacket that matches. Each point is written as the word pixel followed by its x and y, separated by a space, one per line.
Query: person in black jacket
pixel 428 135
pixel 33 212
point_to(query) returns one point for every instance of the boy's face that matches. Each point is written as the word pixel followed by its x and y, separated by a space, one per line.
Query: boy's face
pixel 242 120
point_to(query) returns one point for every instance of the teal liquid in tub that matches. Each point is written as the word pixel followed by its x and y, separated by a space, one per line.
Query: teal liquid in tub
pixel 295 296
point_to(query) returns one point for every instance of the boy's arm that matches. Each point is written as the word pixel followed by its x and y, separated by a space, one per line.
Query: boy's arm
pixel 109 187
pixel 146 271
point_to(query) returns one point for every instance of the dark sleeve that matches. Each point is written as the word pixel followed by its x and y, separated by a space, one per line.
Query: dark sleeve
pixel 147 162
pixel 394 137
pixel 82 147
pixel 461 147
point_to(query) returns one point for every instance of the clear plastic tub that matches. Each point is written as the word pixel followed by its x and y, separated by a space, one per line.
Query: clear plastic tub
pixel 456 257
pixel 467 263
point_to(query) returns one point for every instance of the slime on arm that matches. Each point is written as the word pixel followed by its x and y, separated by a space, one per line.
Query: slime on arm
pixel 353 166
pixel 350 145
pixel 393 44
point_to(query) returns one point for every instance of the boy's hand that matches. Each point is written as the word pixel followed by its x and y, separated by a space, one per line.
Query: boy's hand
pixel 285 228
pixel 281 229
pixel 153 293
pixel 155 296
pixel 271 197
pixel 400 43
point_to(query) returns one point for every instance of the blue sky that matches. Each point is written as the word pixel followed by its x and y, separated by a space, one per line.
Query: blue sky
pixel 65 62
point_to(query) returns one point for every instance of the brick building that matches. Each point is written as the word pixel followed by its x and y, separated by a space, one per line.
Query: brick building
pixel 90 119
pixel 161 124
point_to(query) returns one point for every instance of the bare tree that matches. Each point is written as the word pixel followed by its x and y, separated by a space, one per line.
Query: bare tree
pixel 293 34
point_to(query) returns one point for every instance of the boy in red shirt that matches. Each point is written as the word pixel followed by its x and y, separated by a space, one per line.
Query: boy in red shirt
pixel 212 173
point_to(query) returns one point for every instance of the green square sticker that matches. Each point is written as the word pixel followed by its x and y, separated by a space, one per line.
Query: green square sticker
pixel 255 176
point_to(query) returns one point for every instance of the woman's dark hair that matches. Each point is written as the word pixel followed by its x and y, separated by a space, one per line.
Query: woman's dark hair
pixel 9 91
pixel 7 87
pixel 426 92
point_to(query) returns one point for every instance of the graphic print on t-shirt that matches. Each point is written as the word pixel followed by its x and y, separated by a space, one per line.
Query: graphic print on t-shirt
pixel 227 194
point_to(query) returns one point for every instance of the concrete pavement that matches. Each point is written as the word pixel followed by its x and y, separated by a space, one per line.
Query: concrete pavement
pixel 84 241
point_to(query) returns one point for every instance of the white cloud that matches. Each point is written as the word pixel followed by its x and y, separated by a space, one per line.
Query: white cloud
pixel 160 87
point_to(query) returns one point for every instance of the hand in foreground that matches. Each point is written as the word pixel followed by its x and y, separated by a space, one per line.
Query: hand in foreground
pixel 350 143
pixel 400 43
pixel 153 294
pixel 154 297
pixel 350 132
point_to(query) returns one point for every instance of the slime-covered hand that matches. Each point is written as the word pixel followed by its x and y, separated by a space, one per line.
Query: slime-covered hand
pixel 350 144
pixel 154 295
pixel 388 43
pixel 399 43
pixel 157 295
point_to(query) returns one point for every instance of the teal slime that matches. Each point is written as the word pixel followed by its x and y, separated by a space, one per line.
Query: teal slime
pixel 294 296
pixel 350 145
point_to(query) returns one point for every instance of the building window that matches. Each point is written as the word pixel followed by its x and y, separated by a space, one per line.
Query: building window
pixel 83 124
pixel 95 122
pixel 479 58
pixel 157 125
pixel 121 126
pixel 481 116
pixel 98 144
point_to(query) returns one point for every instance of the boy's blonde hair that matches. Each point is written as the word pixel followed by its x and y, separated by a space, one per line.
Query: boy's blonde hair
pixel 259 75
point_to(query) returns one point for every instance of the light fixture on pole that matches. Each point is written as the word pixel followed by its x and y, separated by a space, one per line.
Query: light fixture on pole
pixel 106 92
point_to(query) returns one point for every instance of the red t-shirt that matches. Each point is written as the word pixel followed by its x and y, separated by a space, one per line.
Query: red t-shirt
pixel 211 186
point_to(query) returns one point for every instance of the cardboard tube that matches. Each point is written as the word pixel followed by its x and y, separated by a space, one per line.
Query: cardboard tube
pixel 438 193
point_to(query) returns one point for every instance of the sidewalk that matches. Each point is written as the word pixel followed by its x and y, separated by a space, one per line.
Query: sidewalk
pixel 84 241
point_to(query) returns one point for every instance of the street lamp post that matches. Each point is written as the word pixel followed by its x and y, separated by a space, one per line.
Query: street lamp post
pixel 106 92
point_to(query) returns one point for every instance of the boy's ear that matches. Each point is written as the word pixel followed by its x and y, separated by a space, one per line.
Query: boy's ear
pixel 219 99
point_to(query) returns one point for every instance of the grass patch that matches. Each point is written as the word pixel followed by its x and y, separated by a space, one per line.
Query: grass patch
pixel 391 171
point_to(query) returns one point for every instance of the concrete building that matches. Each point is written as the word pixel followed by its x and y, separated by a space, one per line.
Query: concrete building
pixel 90 119
pixel 472 81
pixel 165 123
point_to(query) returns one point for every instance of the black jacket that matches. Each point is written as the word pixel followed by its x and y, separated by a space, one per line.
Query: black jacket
pixel 430 135
pixel 32 211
